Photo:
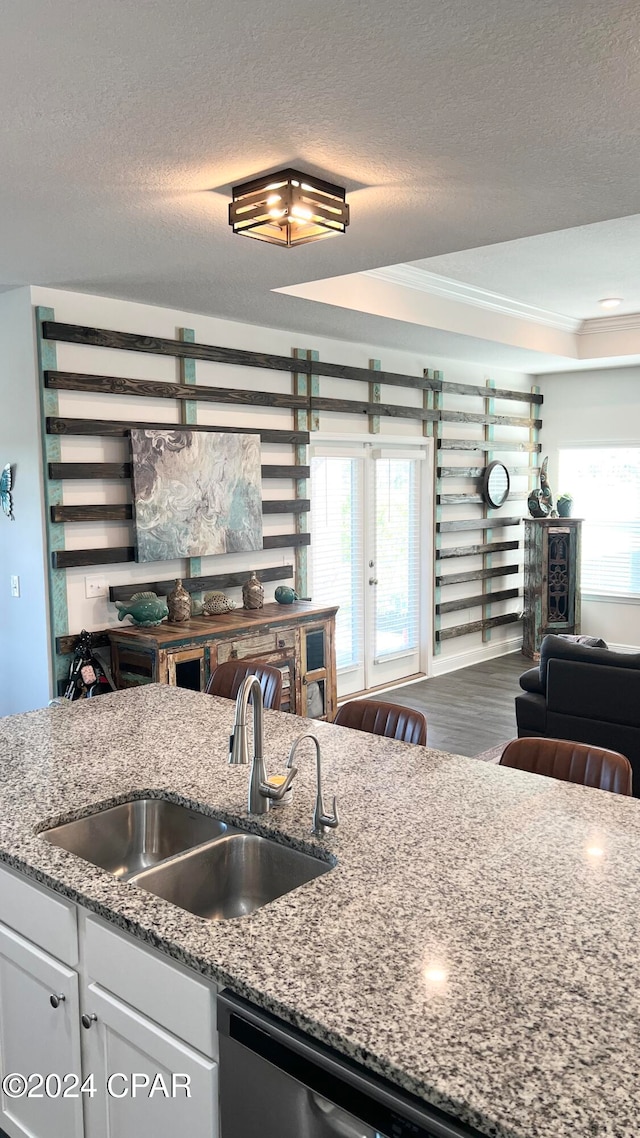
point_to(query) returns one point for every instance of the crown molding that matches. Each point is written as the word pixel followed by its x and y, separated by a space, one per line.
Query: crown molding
pixel 628 323
pixel 410 277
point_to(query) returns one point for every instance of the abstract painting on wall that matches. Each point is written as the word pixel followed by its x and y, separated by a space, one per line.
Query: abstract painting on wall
pixel 196 493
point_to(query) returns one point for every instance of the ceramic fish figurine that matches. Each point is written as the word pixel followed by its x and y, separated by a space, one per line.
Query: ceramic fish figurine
pixel 144 609
pixel 540 502
pixel 217 603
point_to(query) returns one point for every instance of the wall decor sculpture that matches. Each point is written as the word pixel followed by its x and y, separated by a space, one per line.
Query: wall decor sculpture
pixel 196 493
pixel 6 498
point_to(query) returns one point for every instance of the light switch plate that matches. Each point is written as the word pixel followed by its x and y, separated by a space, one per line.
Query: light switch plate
pixel 95 587
pixel 15 586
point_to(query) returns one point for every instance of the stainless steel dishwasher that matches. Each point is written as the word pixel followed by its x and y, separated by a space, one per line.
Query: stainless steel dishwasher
pixel 276 1082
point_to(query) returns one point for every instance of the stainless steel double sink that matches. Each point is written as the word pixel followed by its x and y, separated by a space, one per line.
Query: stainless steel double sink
pixel 201 864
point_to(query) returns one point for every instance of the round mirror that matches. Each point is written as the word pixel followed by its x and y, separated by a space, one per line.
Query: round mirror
pixel 495 484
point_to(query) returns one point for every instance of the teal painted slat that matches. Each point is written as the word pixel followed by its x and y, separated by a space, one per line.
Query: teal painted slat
pixel 487 559
pixel 189 415
pixel 374 397
pixel 51 447
pixel 303 420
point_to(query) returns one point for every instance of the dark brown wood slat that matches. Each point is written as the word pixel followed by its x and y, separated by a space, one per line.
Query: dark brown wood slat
pixel 477 626
pixel 473 499
pixel 359 407
pixel 487 445
pixel 486 419
pixel 477 575
pixel 286 540
pixel 478 471
pixel 89 470
pixel 124 513
pixel 458 499
pixel 479 599
pixel 294 472
pixel 122 470
pixel 472 550
pixel 494 392
pixel 200 584
pixel 116 428
pixel 476 523
pixel 154 345
pixel 292 506
pixel 69 558
pixel 149 388
pixel 67 644
pixel 102 513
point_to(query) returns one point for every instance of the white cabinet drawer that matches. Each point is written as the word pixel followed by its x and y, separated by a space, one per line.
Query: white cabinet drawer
pixel 165 991
pixel 39 915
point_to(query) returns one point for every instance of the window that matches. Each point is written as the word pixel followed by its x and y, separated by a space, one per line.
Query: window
pixel 605 485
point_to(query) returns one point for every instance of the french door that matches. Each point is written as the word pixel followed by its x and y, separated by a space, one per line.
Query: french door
pixel 368 556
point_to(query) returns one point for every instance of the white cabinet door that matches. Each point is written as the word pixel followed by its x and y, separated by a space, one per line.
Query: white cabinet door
pixel 38 1039
pixel 157 1084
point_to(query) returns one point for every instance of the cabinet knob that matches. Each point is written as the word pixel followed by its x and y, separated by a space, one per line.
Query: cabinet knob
pixel 56 999
pixel 87 1020
pixel 281 644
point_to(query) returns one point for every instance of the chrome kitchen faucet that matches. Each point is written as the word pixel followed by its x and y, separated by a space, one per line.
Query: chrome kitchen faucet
pixel 260 791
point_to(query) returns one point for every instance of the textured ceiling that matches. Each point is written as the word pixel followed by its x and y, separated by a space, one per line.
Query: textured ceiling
pixel 465 124
pixel 567 272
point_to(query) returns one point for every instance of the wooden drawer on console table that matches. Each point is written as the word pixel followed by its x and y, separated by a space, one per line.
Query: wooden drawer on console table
pixel 298 638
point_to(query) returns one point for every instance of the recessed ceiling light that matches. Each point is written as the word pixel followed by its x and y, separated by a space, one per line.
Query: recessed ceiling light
pixel 610 302
pixel 288 208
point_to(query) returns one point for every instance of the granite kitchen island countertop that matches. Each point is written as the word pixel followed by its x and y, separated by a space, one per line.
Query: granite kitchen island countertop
pixel 476 941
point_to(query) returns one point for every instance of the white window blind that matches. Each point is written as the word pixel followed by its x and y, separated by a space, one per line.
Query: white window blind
pixel 397 556
pixel 605 485
pixel 337 513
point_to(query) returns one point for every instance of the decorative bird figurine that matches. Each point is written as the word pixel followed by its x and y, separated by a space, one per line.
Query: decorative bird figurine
pixel 540 502
pixel 6 500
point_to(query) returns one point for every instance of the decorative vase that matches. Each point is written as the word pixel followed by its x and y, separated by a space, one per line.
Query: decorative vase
pixel 252 593
pixel 179 603
pixel 285 595
pixel 564 506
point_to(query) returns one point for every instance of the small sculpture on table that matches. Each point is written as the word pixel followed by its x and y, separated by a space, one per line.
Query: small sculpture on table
pixel 253 593
pixel 540 502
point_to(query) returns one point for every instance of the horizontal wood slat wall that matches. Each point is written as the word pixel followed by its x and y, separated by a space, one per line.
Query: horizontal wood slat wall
pixel 122 470
pixel 200 584
pixel 304 402
pixel 67 558
pixel 478 626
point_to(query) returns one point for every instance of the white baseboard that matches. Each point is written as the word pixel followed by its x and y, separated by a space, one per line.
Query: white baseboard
pixel 623 647
pixel 443 664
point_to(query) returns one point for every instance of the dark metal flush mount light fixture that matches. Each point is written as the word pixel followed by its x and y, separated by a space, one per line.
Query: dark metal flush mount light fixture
pixel 288 208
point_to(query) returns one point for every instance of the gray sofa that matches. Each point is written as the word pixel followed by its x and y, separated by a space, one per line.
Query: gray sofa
pixel 585 693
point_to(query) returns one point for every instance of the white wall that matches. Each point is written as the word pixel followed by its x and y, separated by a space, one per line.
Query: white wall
pixel 129 317
pixel 594 407
pixel 24 652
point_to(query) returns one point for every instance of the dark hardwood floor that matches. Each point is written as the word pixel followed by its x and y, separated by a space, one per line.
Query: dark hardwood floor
pixel 470 710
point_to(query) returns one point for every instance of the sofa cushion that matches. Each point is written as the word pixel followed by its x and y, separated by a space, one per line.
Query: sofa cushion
pixel 530 681
pixel 531 714
pixel 588 641
pixel 556 648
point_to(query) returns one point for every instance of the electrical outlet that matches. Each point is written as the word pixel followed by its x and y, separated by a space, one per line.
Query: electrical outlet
pixel 15 586
pixel 95 587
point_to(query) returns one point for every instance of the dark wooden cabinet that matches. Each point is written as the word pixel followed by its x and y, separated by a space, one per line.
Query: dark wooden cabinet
pixel 552 550
pixel 299 639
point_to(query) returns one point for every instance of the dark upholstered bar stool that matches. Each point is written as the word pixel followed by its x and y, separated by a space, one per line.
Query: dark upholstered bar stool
pixel 570 762
pixel 227 680
pixel 388 719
